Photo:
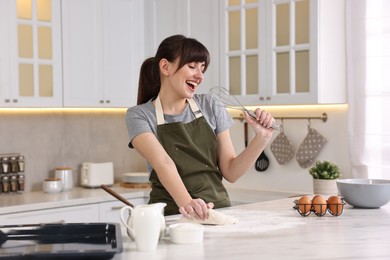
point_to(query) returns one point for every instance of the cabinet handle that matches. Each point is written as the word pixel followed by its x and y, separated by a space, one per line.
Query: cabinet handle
pixel 107 101
pixel 7 100
pixel 268 98
pixel 14 100
pixel 116 208
pixel 261 98
pixel 101 101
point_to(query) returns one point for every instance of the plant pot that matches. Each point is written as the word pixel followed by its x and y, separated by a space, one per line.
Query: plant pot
pixel 328 187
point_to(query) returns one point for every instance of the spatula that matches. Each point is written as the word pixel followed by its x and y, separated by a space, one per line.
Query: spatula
pixel 262 162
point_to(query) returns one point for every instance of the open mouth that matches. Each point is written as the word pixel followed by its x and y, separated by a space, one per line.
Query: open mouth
pixel 191 84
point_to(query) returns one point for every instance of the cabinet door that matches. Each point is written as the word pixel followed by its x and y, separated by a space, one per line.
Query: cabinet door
pixel 103 50
pixel 110 211
pixel 75 214
pixel 193 18
pixel 4 52
pixel 32 54
pixel 281 52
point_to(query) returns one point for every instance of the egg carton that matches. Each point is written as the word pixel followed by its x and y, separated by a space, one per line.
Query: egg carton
pixel 335 209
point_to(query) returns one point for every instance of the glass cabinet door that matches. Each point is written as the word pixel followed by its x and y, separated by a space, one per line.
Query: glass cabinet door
pixel 244 47
pixel 267 50
pixel 38 48
pixel 291 50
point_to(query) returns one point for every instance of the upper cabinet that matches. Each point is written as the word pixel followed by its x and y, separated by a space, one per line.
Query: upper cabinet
pixel 284 51
pixel 193 18
pixel 103 48
pixel 30 53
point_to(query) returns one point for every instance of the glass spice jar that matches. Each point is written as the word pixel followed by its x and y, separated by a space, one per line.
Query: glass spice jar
pixel 5 183
pixel 13 162
pixel 13 183
pixel 20 182
pixel 21 164
pixel 5 165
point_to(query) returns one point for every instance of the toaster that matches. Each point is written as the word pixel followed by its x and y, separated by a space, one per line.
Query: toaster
pixel 95 174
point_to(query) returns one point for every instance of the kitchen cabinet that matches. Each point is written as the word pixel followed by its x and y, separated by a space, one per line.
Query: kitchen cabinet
pixel 192 18
pixel 110 211
pixel 284 51
pixel 30 54
pixel 103 48
pixel 93 212
pixel 82 213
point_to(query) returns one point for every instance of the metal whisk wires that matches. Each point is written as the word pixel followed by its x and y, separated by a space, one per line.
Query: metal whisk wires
pixel 229 101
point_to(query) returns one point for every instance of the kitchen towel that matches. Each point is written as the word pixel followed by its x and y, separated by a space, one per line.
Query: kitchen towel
pixel 310 148
pixel 282 149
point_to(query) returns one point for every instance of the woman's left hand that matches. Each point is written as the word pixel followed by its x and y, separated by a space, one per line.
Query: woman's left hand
pixel 263 122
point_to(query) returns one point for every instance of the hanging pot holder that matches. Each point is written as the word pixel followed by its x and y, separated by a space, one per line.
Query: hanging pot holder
pixel 310 148
pixel 282 149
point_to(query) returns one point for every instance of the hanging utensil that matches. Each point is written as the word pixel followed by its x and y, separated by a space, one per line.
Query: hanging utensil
pixel 230 101
pixel 246 133
pixel 116 195
pixel 262 162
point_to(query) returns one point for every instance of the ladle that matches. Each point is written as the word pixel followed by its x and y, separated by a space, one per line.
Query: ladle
pixel 116 195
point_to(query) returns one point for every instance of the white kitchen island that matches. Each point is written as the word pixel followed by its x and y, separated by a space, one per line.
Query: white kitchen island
pixel 274 230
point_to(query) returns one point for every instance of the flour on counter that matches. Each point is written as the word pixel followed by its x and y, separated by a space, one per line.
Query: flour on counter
pixel 255 221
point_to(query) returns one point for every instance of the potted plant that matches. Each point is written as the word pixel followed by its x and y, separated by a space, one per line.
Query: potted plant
pixel 324 175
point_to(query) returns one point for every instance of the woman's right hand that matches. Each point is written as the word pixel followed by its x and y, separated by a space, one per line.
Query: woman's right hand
pixel 196 208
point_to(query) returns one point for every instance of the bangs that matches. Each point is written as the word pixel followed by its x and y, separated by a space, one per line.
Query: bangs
pixel 194 51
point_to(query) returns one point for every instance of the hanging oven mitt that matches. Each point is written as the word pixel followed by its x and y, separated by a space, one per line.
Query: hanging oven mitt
pixel 282 149
pixel 310 148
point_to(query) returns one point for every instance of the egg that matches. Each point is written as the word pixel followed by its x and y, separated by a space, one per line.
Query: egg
pixel 335 205
pixel 319 205
pixel 304 205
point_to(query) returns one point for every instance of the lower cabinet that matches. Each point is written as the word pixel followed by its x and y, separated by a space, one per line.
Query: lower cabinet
pixel 95 212
pixel 83 213
pixel 110 211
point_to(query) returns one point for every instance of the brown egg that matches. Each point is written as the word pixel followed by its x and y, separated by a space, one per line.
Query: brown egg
pixel 335 205
pixel 319 205
pixel 304 205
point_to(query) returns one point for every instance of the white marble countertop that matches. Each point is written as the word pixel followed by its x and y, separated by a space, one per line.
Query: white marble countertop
pixel 38 200
pixel 274 230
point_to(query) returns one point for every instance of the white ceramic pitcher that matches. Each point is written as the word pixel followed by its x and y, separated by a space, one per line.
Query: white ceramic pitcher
pixel 146 224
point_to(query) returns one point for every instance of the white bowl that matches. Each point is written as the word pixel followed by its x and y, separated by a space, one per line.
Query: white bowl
pixel 136 177
pixel 186 233
pixel 364 193
pixel 52 185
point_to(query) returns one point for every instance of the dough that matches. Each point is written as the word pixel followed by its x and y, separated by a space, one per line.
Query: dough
pixel 215 218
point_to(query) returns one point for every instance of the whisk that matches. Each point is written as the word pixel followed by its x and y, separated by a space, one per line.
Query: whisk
pixel 229 101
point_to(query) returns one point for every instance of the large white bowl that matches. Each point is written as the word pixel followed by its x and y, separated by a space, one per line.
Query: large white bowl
pixel 364 193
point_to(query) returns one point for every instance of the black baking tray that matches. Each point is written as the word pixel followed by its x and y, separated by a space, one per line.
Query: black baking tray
pixel 61 241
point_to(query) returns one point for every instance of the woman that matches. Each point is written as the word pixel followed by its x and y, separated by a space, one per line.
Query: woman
pixel 184 136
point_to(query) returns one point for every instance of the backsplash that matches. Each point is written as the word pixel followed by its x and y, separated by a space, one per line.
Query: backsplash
pixel 67 138
pixel 61 138
pixel 291 176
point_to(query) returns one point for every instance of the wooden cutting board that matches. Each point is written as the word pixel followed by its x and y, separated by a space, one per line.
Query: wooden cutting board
pixel 136 185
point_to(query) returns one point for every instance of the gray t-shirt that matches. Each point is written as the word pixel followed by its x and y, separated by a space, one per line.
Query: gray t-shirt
pixel 142 118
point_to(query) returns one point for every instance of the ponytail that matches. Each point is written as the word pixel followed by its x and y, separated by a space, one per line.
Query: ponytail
pixel 149 81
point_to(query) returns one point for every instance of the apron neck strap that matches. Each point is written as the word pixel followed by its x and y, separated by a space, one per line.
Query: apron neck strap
pixel 160 112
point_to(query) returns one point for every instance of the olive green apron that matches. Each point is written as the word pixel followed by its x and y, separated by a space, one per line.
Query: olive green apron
pixel 193 148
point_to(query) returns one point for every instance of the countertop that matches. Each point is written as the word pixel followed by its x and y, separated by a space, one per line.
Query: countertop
pixel 274 230
pixel 38 200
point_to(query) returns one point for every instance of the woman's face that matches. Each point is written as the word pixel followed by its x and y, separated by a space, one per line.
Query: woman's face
pixel 186 80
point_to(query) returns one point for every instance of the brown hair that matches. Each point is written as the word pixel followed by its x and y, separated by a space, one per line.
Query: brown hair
pixel 176 46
